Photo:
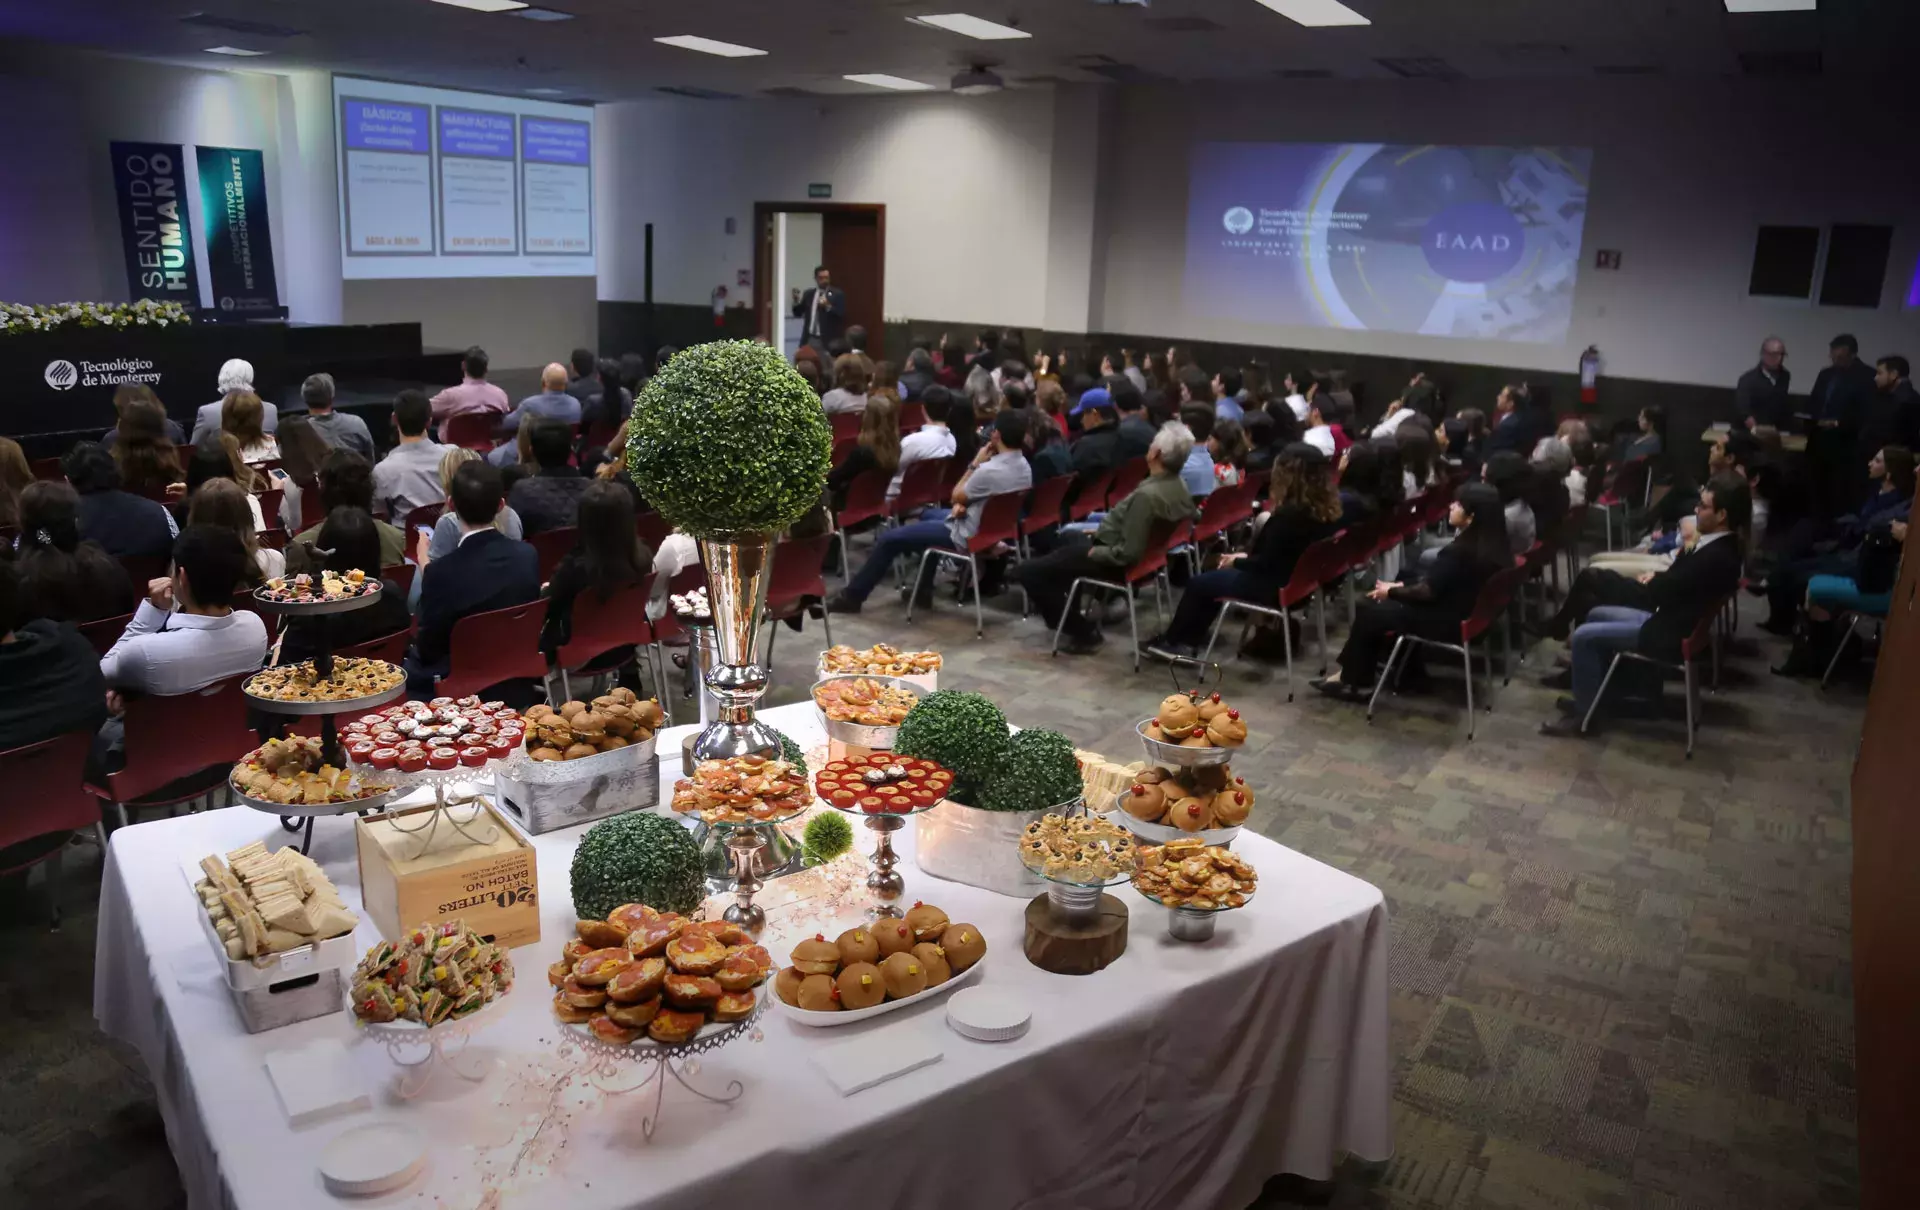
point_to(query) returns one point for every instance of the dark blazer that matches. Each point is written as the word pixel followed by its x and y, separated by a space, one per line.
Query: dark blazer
pixel 1843 395
pixel 1681 595
pixel 1281 541
pixel 1509 433
pixel 833 317
pixel 1097 450
pixel 53 683
pixel 1890 418
pixel 487 571
pixel 1763 401
pixel 1450 588
pixel 1135 436
pixel 127 525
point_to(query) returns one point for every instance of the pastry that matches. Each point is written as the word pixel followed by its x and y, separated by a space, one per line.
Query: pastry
pixel 435 972
pixel 571 1015
pixel 1144 801
pixel 600 934
pixel 1195 737
pixel 1177 712
pixel 817 956
pixel 742 790
pixel 1189 873
pixel 1230 808
pixel 1191 814
pixel 762 960
pixel 580 995
pixel 1153 732
pixel 640 981
pixel 734 1006
pixel 882 783
pixel 738 973
pixel 1209 706
pixel 691 991
pixel 963 945
pixel 904 976
pixel 651 938
pixel 304 589
pixel 1084 850
pixel 926 921
pixel 878 660
pixel 559 973
pixel 634 1016
pixel 861 985
pixel 786 985
pixel 864 701
pixel 695 953
pixel 672 1026
pixel 575 950
pixel 630 916
pixel 893 937
pixel 857 945
pixel 600 966
pixel 818 994
pixel 1227 730
pixel 934 960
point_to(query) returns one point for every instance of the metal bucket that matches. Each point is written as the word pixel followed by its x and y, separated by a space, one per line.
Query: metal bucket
pixel 980 848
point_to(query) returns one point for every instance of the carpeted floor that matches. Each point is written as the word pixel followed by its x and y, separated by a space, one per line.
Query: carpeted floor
pixel 1620 979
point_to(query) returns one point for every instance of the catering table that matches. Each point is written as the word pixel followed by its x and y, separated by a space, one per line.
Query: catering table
pixel 1183 1075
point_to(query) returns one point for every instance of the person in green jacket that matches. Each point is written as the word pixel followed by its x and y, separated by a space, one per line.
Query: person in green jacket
pixel 1122 538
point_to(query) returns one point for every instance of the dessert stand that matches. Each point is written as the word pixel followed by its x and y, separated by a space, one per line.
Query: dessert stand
pixel 1189 923
pixel 1076 928
pixel 659 1060
pixel 422 1052
pixel 886 883
pixel 746 844
pixel 451 788
pixel 297 817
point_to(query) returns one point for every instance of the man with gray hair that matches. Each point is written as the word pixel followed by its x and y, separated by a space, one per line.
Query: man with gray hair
pixel 1761 394
pixel 1121 539
pixel 341 430
pixel 236 374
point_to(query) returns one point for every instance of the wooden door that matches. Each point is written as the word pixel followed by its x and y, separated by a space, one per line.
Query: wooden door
pixel 851 246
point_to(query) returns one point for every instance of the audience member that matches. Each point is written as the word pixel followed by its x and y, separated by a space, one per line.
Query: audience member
pixel 885 380
pixel 1892 416
pixel 149 461
pixel 999 468
pixel 597 415
pixel 186 635
pixel 218 457
pixel 1130 405
pixel 1432 607
pixel 1227 447
pixel 983 394
pixel 125 525
pixel 1097 450
pixel 486 571
pixel 1418 456
pixel 343 430
pixel 241 417
pixel 1263 442
pixel 409 476
pixel 16 475
pixel 63 577
pixel 1363 495
pixel 878 449
pixel 1842 395
pixel 1653 433
pixel 1299 401
pixel 1509 429
pixel 351 537
pixel 473 395
pixel 952 371
pixel 552 403
pixel 446 531
pixel 550 497
pixel 1305 510
pixel 808 368
pixel 1161 499
pixel 302 452
pixel 1398 413
pixel 221 503
pixel 934 439
pixel 1050 401
pixel 1760 397
pixel 1226 394
pixel 583 379
pixel 1549 495
pixel 918 376
pixel 235 375
pixel 126 393
pixel 1507 471
pixel 607 556
pixel 1047 452
pixel 1197 472
pixel 1890 474
pixel 849 393
pixel 1319 431
pixel 53 685
pixel 1463 439
pixel 346 481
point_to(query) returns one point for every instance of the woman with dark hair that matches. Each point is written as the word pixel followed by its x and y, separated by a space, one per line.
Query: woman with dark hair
pixel 62 577
pixel 1361 496
pixel 1287 428
pixel 142 450
pixel 809 369
pixel 1509 474
pixel 126 393
pixel 1227 446
pixel 1463 440
pixel 607 556
pixel 1305 510
pixel 1417 454
pixel 1653 433
pixel 952 373
pixel 220 502
pixel 1159 374
pixel 16 475
pixel 598 413
pixel 348 541
pixel 1435 606
pixel 1263 442
pixel 1046 447
pixel 218 457
pixel 302 451
pixel 877 449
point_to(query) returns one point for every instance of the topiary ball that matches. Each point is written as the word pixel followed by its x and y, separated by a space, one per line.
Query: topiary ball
pixel 790 750
pixel 728 439
pixel 963 732
pixel 638 857
pixel 828 835
pixel 1037 769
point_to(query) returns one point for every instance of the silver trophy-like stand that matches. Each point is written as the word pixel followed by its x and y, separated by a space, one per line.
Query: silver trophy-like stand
pixel 738 566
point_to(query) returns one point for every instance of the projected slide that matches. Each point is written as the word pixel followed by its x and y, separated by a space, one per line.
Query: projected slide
pixel 435 183
pixel 1473 242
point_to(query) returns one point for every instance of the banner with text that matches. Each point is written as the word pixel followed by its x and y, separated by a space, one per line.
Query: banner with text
pixel 150 189
pixel 233 205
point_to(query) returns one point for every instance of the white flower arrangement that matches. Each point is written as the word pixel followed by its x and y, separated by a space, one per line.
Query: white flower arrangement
pixel 48 317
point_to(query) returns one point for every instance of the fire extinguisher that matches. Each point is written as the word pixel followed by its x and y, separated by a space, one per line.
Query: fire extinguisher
pixel 719 298
pixel 1590 376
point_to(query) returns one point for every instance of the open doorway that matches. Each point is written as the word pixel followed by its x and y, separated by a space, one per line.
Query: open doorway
pixel 792 238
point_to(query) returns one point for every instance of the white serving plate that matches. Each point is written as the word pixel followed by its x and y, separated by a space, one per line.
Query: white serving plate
pixel 853 1015
pixel 374 1158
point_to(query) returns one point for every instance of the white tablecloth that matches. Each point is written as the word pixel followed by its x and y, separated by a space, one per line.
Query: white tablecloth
pixel 1181 1076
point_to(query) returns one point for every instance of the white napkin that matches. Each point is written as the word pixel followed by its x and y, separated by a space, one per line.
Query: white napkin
pixel 875 1059
pixel 316 1082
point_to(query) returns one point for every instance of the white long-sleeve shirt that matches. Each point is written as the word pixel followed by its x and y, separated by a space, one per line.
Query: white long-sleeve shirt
pixel 927 441
pixel 170 653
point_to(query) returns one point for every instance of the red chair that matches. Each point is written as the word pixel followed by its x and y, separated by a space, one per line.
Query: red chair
pixel 950 479
pixel 551 546
pixel 1495 595
pixel 103 633
pixel 600 435
pixel 1220 512
pixel 143 569
pixel 866 501
pixel 46 788
pixel 424 517
pixel 488 648
pixel 1318 566
pixel 653 529
pixel 47 470
pixel 1043 509
pixel 1127 476
pixel 1631 480
pixel 272 539
pixel 842 446
pixel 845 424
pixel 270 504
pixel 999 522
pixel 392 648
pixel 312 512
pixel 795 576
pixel 919 487
pixel 1152 565
pixel 913 415
pixel 402 576
pixel 178 747
pixel 472 430
pixel 1705 638
pixel 600 627
pixel 1091 497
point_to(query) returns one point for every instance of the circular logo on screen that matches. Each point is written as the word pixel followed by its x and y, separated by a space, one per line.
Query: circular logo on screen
pixel 61 375
pixel 1238 221
pixel 1474 242
pixel 226 302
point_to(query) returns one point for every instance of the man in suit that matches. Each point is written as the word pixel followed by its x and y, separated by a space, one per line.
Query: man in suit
pixel 1761 394
pixel 823 311
pixel 235 375
pixel 1509 428
pixel 487 571
pixel 1676 599
pixel 1893 414
pixel 1841 396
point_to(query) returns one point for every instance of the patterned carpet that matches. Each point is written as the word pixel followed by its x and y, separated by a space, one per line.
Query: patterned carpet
pixel 1620 979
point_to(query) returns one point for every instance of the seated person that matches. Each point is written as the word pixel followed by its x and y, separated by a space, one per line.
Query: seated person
pixel 1507 471
pixel 1048 455
pixel 607 556
pixel 1227 447
pixel 1000 467
pixel 345 481
pixel 350 534
pixel 1136 431
pixel 474 395
pixel 235 375
pixel 1305 510
pixel 878 448
pixel 1546 490
pixel 486 571
pixel 1098 448
pixel 340 430
pixel 550 497
pixel 61 577
pixel 1197 472
pixel 1676 599
pixel 441 540
pixel 218 457
pixel 552 403
pixel 409 476
pixel 138 392
pixel 1434 606
pixel 51 672
pixel 221 502
pixel 126 526
pixel 1892 476
pixel 1162 498
pixel 1829 596
pixel 934 439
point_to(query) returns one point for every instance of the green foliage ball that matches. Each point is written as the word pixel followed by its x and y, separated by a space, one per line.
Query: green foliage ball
pixel 828 835
pixel 728 439
pixel 1037 769
pixel 962 732
pixel 790 751
pixel 638 857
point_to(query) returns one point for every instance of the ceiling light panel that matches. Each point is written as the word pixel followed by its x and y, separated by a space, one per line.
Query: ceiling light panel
pixel 896 83
pixel 710 46
pixel 1771 6
pixel 486 6
pixel 971 26
pixel 1316 13
pixel 236 51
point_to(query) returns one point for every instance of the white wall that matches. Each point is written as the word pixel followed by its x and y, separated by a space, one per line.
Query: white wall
pixel 1683 174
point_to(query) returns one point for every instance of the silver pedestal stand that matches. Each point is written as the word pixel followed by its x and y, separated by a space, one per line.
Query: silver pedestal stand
pixel 604 1061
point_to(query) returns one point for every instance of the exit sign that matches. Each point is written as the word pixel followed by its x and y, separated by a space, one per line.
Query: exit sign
pixel 820 189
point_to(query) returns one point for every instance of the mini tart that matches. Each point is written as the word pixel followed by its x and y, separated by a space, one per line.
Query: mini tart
pixel 559 973
pixel 816 956
pixel 761 958
pixel 933 959
pixel 903 975
pixel 926 921
pixel 571 1015
pixel 893 937
pixel 575 950
pixel 580 995
pixel 818 994
pixel 861 986
pixel 734 1006
pixel 608 1030
pixel 738 973
pixel 729 934
pixel 963 945
pixel 857 945
pixel 630 916
pixel 695 953
pixel 1177 712
pixel 598 968
pixel 786 985
pixel 692 991
pixel 641 981
pixel 601 934
pixel 650 939
pixel 672 1026
pixel 634 1016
